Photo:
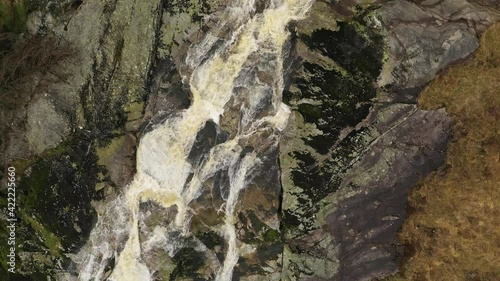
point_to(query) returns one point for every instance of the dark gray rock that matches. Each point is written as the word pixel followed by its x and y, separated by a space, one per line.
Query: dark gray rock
pixel 119 159
pixel 424 39
pixel 420 45
pixel 372 203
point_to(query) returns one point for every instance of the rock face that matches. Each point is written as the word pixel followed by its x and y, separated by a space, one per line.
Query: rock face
pixel 426 41
pixel 324 205
pixel 46 127
pixel 371 202
pixel 345 189
pixel 74 140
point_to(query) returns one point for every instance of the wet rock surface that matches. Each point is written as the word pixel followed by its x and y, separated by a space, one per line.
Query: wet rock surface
pixel 59 133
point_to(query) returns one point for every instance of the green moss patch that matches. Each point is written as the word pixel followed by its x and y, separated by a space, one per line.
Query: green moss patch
pixel 54 195
pixel 13 16
pixel 332 91
pixel 188 261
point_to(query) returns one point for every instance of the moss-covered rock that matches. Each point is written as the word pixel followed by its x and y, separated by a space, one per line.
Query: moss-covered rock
pixel 332 92
pixel 54 196
pixel 118 157
pixel 58 191
pixel 188 262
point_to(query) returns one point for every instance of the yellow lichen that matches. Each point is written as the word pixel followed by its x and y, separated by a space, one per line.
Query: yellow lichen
pixel 104 154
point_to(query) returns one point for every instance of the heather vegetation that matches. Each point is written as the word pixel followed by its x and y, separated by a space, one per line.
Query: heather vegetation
pixel 23 57
pixel 26 58
pixel 453 232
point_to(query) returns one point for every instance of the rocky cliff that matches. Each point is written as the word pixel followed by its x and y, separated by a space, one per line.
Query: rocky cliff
pixel 325 204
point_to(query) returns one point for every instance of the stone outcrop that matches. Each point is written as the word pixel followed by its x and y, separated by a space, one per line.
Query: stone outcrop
pixel 345 190
pixel 424 39
pixel 77 135
pixel 46 127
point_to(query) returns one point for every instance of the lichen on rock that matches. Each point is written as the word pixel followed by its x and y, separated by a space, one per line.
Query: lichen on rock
pixel 347 181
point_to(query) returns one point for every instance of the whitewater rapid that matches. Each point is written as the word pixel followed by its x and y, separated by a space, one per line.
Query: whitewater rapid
pixel 164 173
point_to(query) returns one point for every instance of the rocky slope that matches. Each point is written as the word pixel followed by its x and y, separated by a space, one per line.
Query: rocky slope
pixel 454 208
pixel 325 205
pixel 361 141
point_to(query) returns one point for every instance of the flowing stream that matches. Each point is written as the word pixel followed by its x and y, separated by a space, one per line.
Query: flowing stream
pixel 166 176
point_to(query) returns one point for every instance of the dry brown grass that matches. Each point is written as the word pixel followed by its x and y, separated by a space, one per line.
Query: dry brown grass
pixel 453 232
pixel 24 60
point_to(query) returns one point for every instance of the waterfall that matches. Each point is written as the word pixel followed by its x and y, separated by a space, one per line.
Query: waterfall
pixel 166 176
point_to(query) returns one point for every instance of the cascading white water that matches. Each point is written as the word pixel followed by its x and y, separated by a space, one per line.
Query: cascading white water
pixel 162 158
